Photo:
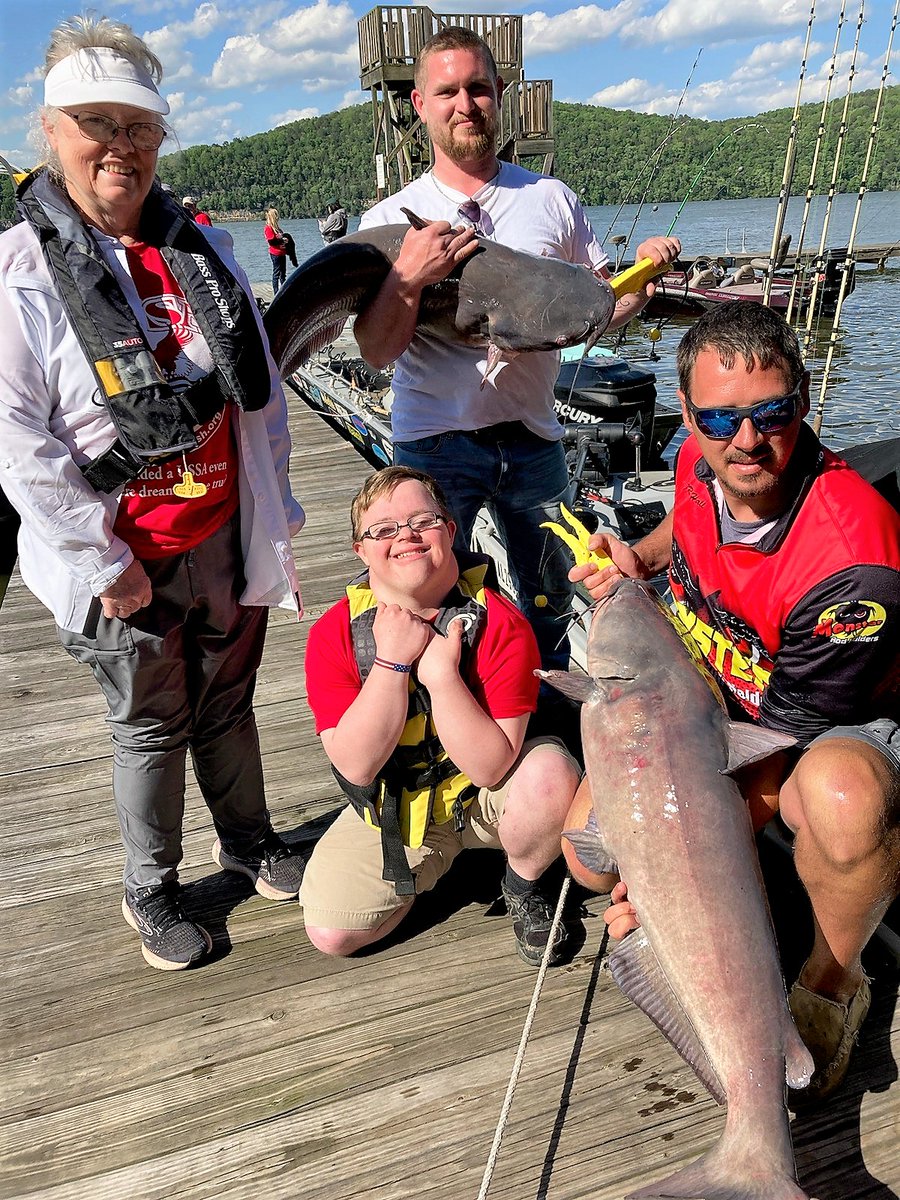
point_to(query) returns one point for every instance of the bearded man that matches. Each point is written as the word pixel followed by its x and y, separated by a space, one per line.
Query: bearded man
pixel 491 441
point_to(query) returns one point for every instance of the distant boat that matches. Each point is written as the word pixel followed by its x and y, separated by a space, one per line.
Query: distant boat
pixel 708 282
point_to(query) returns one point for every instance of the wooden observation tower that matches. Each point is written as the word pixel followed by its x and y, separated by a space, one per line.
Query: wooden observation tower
pixel 389 40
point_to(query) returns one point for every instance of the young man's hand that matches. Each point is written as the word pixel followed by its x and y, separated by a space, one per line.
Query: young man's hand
pixel 400 635
pixel 440 658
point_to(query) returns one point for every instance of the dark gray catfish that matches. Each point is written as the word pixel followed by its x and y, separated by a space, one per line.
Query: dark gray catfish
pixel 657 741
pixel 498 298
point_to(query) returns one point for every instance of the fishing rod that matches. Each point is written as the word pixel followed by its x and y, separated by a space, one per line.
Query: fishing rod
pixel 851 241
pixel 819 272
pixel 814 167
pixel 790 157
pixel 655 155
pixel 718 146
pixel 654 161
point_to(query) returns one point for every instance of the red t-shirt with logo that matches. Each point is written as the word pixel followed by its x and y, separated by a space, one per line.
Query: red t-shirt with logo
pixel 500 673
pixel 173 506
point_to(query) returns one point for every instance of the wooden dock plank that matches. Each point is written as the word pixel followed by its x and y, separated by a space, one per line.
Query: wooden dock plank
pixel 276 1071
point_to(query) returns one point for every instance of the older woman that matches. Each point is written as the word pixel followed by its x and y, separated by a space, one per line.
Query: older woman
pixel 145 447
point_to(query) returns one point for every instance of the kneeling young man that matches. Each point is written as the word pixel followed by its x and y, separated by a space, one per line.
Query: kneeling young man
pixel 421 681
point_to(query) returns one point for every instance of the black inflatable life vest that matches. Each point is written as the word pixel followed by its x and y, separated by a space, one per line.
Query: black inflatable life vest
pixel 153 420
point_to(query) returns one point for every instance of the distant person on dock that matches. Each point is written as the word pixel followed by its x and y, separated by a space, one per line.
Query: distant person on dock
pixel 281 248
pixel 785 565
pixel 334 224
pixel 496 444
pixel 421 681
pixel 201 217
pixel 145 448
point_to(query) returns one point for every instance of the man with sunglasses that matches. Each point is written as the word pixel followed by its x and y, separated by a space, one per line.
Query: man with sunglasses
pixel 785 566
pixel 421 681
pixel 490 437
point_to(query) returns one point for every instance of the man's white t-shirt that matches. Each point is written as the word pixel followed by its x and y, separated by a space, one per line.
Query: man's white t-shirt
pixel 437 383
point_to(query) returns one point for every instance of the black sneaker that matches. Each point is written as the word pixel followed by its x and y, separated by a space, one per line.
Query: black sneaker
pixel 274 868
pixel 171 941
pixel 532 916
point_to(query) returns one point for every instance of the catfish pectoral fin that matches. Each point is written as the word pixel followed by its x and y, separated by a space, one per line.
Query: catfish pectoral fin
pixel 571 683
pixel 494 355
pixel 590 850
pixel 636 970
pixel 749 743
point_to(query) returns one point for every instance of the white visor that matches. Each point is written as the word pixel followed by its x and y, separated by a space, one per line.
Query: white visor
pixel 99 75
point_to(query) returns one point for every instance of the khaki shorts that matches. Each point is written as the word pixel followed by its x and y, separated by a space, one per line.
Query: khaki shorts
pixel 342 885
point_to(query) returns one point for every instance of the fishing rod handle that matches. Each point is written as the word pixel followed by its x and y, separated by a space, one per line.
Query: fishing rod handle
pixel 635 277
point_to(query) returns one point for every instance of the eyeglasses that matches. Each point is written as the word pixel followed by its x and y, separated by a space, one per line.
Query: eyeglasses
pixel 382 531
pixel 768 416
pixel 472 213
pixel 143 135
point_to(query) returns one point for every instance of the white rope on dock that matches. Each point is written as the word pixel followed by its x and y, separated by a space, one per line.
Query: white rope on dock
pixel 523 1043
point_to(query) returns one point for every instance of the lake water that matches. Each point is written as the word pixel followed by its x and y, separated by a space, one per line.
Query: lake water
pixel 862 393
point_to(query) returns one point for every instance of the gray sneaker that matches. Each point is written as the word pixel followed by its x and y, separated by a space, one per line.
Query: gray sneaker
pixel 532 918
pixel 170 940
pixel 275 870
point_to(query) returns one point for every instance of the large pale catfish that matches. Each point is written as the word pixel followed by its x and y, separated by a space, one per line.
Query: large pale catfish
pixel 499 298
pixel 704 966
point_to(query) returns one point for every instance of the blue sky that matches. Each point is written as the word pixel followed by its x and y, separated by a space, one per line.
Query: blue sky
pixel 235 68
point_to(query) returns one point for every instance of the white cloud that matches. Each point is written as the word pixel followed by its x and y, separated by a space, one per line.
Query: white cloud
pixel 352 98
pixel 632 93
pixel 544 34
pixel 247 61
pixel 294 114
pixel 712 22
pixel 170 42
pixel 322 24
pixel 21 96
pixel 195 120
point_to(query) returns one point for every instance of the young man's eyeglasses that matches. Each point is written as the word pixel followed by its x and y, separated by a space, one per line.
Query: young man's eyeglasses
pixel 382 531
pixel 143 135
pixel 768 416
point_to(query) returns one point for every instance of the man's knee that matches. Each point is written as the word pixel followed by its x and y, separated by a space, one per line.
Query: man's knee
pixel 340 942
pixel 844 792
pixel 545 780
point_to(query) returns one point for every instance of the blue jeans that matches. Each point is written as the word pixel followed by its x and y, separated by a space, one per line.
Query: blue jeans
pixel 279 270
pixel 521 479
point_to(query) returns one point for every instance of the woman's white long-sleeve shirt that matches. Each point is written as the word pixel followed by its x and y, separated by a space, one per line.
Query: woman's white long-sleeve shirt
pixel 53 421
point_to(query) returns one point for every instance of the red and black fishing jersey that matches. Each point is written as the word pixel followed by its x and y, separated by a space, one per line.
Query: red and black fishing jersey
pixel 802 628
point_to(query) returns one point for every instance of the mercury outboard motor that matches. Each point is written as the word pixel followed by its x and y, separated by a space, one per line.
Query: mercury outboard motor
pixel 609 391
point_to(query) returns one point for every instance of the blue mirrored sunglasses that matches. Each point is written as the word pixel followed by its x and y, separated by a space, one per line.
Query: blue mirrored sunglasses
pixel 768 416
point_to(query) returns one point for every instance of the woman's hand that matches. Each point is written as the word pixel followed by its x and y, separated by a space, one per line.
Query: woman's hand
pixel 128 593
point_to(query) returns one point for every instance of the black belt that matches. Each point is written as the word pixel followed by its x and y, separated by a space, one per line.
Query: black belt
pixel 503 431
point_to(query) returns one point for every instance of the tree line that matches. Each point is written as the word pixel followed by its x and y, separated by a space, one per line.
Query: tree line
pixel 605 155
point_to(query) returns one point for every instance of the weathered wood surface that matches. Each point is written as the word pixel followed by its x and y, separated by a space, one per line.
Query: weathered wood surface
pixel 274 1071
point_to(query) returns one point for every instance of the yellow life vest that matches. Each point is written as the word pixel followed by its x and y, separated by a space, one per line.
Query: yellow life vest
pixel 419 784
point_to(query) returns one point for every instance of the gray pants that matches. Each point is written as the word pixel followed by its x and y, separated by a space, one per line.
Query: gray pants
pixel 179 675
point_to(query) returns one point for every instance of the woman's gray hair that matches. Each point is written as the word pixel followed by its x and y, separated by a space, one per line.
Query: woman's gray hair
pixel 82 33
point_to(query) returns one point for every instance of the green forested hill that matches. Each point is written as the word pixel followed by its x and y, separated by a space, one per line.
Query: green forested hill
pixel 600 152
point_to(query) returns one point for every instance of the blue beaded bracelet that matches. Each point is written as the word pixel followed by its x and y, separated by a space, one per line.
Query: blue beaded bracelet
pixel 403 668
